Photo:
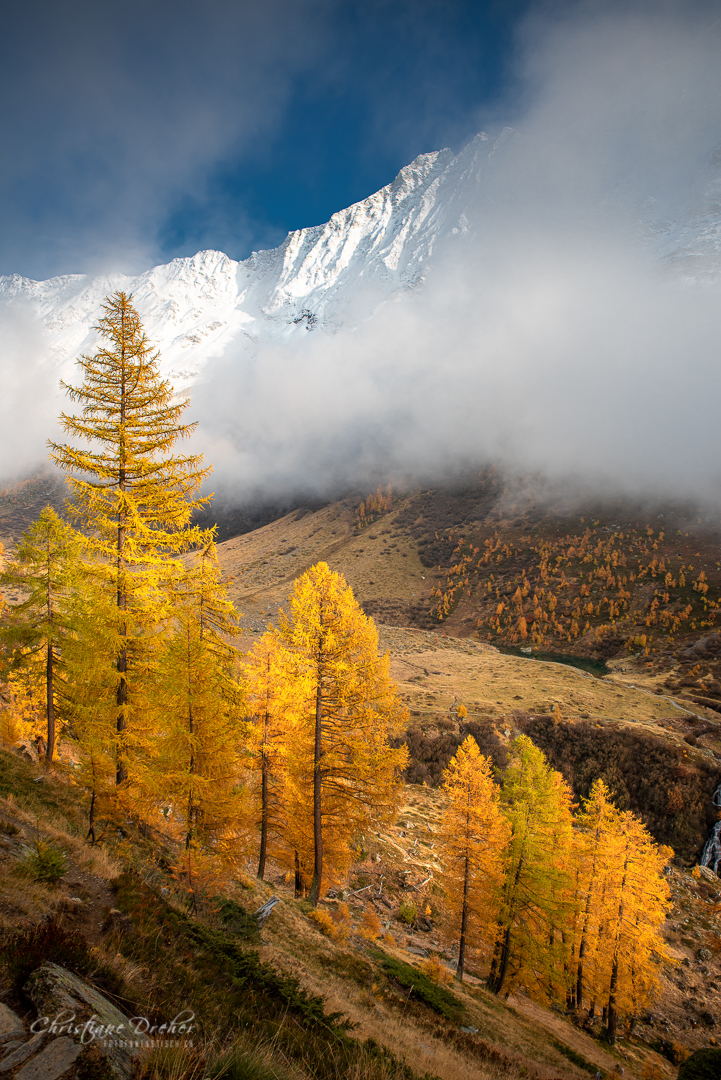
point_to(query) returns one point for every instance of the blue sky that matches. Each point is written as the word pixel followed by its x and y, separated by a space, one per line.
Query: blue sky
pixel 135 133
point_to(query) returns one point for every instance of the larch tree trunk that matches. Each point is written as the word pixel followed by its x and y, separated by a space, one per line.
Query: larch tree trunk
pixel 316 883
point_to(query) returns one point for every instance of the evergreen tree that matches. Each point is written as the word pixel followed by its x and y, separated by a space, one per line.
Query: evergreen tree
pixel 132 496
pixel 537 896
pixel 47 569
pixel 472 841
pixel 343 765
pixel 193 764
pixel 272 698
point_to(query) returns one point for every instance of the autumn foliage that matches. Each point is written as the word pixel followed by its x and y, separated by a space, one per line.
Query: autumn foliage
pixel 626 586
pixel 565 906
pixel 124 646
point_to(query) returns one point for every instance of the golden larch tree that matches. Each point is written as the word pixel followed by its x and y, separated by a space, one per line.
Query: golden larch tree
pixel 193 764
pixel 472 840
pixel 342 764
pixel 595 825
pixel 273 696
pixel 629 948
pixel 130 493
pixel 47 568
pixel 537 895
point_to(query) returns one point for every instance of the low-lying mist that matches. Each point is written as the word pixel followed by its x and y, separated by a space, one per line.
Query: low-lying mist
pixel 573 329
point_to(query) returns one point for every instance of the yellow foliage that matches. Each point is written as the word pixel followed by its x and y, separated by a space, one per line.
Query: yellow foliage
pixel 435 970
pixel 193 762
pixel 371 928
pixel 472 837
pixel 133 499
pixel 273 695
pixel 343 777
pixel 327 925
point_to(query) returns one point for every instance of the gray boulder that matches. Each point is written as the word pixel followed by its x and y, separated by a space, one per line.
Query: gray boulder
pixel 69 1007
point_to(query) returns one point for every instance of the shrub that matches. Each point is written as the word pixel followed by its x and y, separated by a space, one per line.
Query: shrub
pixel 407 912
pixel 343 923
pixel 44 861
pixel 371 928
pixel 236 919
pixel 338 928
pixel 701 1065
pixel 435 970
pixel 674 1052
pixel 429 754
pixel 325 923
pixel 422 988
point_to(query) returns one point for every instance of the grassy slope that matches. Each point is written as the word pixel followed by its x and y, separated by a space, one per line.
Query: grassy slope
pixel 267 991
pixel 163 961
pixel 644 713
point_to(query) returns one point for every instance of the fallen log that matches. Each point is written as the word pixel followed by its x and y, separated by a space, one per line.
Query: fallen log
pixel 263 912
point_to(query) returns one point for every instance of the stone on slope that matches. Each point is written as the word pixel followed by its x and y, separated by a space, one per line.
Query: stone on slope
pixel 10 1023
pixel 22 1053
pixel 52 1062
pixel 56 992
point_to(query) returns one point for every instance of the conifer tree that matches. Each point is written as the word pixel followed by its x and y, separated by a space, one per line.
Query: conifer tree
pixel 472 841
pixel 193 764
pixel 90 698
pixel 595 825
pixel 536 902
pixel 130 494
pixel 47 569
pixel 633 899
pixel 343 763
pixel 272 697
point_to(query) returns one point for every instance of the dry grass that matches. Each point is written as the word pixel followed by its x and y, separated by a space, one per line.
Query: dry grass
pixel 434 671
pixel 89 860
pixel 425 1051
pixel 294 944
pixel 22 900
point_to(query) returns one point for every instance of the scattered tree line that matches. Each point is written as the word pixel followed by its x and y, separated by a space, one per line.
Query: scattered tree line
pixel 567 905
pixel 629 586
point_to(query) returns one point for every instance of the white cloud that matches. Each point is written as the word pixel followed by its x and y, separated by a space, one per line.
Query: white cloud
pixel 560 340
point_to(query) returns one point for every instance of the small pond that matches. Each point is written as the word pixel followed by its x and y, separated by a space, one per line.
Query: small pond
pixel 584 663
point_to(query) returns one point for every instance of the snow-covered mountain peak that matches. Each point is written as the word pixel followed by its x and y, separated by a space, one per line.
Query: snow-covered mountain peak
pixel 320 278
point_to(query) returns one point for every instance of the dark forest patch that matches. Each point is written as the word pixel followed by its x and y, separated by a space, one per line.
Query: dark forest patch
pixel 653 778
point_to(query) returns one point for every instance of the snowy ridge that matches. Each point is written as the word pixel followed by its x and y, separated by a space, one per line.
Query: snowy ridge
pixel 321 278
